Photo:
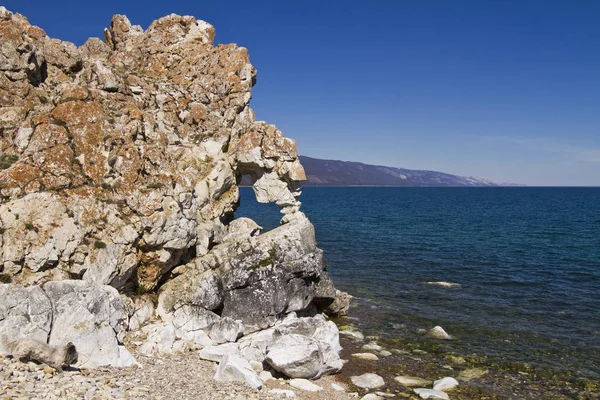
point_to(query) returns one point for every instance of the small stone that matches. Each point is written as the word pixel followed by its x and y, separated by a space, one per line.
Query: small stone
pixel 265 376
pixel 371 396
pixel 305 384
pixel 337 387
pixel 368 381
pixel 372 347
pixel 384 394
pixel 352 333
pixel 283 392
pixel 256 366
pixel 366 356
pixel 437 332
pixel 431 394
pixel 472 373
pixel 385 353
pixel 444 384
pixel 49 370
pixel 412 381
pixel 457 360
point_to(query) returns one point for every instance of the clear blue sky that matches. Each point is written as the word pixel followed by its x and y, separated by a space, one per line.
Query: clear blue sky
pixel 507 90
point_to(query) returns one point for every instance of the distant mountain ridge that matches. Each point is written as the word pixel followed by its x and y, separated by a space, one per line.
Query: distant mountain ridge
pixel 347 173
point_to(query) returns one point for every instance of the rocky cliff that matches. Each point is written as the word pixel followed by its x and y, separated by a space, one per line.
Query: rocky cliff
pixel 120 162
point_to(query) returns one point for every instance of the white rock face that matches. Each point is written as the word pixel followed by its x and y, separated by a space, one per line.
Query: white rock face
pixel 305 384
pixel 93 318
pixel 38 233
pixel 90 316
pixel 233 368
pixel 368 381
pixel 431 394
pixel 24 313
pixel 444 384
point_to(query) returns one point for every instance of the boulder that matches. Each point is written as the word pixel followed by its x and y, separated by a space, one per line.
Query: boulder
pixel 340 305
pixel 93 318
pixel 254 346
pixel 233 368
pixel 295 356
pixel 296 347
pixel 90 316
pixel 216 353
pixel 368 381
pixel 226 330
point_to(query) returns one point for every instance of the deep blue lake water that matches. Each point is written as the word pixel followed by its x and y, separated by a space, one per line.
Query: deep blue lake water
pixel 527 260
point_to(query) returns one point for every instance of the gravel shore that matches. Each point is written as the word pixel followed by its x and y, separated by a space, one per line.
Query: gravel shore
pixel 166 377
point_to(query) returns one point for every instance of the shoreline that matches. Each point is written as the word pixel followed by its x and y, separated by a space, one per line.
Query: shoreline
pixel 185 375
pixel 478 378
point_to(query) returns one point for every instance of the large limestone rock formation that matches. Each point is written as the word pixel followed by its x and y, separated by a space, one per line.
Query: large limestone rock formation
pixel 119 165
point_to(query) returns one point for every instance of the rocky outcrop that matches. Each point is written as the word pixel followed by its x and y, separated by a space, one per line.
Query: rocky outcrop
pixel 119 169
pixel 120 158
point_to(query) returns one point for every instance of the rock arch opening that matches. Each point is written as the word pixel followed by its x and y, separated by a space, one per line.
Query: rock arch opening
pixel 267 215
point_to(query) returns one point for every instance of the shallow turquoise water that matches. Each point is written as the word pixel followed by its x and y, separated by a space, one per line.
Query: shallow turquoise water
pixel 527 260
